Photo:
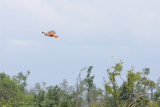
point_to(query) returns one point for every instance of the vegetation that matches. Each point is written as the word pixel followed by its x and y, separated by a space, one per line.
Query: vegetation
pixel 136 91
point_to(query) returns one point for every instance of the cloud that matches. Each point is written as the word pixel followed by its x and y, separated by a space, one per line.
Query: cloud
pixel 79 20
pixel 88 29
pixel 105 18
pixel 23 43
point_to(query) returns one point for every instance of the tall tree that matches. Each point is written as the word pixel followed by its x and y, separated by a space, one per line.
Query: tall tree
pixel 89 84
pixel 111 86
pixel 39 93
pixel 21 79
pixel 64 89
pixel 8 88
pixel 53 95
pixel 79 89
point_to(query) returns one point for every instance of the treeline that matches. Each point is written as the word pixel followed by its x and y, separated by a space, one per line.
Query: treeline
pixel 136 91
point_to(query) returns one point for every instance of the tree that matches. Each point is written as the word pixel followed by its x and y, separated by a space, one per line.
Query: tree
pixel 39 93
pixel 111 86
pixel 78 94
pixel 21 79
pixel 133 91
pixel 53 93
pixel 66 93
pixel 89 84
pixel 64 90
pixel 8 88
pixel 138 79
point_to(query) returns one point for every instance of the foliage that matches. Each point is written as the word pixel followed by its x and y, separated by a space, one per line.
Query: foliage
pixel 21 79
pixel 136 91
pixel 111 86
pixel 89 84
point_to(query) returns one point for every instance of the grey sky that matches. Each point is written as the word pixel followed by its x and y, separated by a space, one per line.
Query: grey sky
pixel 91 32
